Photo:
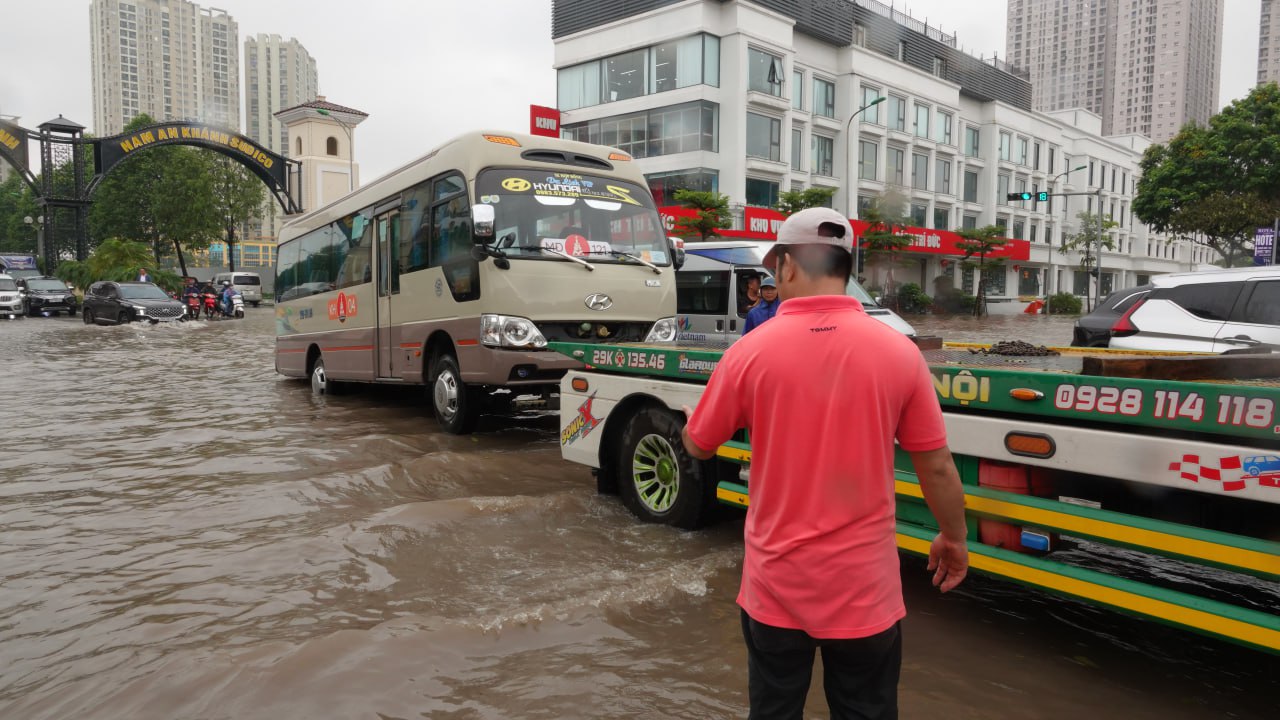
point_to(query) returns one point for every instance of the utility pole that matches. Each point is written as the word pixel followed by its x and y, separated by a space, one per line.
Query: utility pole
pixel 1097 265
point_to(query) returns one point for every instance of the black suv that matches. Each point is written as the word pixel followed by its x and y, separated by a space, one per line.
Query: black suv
pixel 118 303
pixel 48 295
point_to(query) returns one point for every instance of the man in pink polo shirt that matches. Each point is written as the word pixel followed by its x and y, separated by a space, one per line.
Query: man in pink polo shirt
pixel 825 390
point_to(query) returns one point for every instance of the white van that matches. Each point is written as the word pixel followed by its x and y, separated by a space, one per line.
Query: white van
pixel 713 279
pixel 249 284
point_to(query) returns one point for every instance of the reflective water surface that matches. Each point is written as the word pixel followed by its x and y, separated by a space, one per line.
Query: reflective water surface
pixel 187 535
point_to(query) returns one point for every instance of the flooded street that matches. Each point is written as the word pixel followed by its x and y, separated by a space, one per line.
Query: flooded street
pixel 187 534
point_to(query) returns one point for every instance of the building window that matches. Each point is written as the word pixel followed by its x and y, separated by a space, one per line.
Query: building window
pixel 941 218
pixel 664 185
pixel 824 153
pixel 1035 160
pixel 920 172
pixel 624 75
pixel 331 145
pixel 918 214
pixel 922 120
pixel 939 66
pixel 797 89
pixel 1022 151
pixel 662 131
pixel 763 193
pixel 678 63
pixel 971 145
pixel 1051 154
pixel 824 98
pixel 298 144
pixel 868 153
pixel 1006 146
pixel 1002 189
pixel 897 113
pixel 764 72
pixel 970 222
pixel 872 112
pixel 764 137
pixel 797 149
pixel 902 51
pixel 865 203
pixel 1032 236
pixel 944 128
pixel 942 176
pixel 1019 185
pixel 971 186
pixel 1018 227
pixel 896 167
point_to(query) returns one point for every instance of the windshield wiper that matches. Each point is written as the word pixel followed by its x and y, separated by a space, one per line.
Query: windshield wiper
pixel 618 253
pixel 557 253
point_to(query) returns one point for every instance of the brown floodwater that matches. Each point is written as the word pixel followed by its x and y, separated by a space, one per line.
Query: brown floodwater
pixel 187 535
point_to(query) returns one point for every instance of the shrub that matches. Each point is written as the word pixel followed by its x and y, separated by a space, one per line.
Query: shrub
pixel 954 303
pixel 1064 303
pixel 911 299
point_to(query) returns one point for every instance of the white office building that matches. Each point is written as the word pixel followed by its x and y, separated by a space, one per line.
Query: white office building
pixel 754 97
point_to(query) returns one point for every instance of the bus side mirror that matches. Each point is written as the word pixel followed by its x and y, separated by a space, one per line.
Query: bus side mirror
pixel 677 252
pixel 482 222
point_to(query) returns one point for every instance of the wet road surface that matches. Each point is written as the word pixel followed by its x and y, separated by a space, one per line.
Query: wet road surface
pixel 188 535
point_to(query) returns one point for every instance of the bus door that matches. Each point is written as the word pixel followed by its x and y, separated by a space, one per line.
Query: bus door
pixel 387 225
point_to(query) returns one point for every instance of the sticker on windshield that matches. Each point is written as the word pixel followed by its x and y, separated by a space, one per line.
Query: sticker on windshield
pixel 577 245
pixel 568 185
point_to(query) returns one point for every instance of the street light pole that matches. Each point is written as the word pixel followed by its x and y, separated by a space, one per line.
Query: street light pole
pixel 38 222
pixel 1097 288
pixel 351 148
pixel 849 179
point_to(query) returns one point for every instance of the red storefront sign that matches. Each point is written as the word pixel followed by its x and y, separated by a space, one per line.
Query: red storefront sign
pixel 544 121
pixel 763 223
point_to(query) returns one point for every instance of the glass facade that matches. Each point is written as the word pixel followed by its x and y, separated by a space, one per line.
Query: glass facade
pixel 867 152
pixel 971 141
pixel 693 60
pixel 661 131
pixel 824 153
pixel 665 184
pixel 872 112
pixel 763 193
pixel 764 137
pixel 824 98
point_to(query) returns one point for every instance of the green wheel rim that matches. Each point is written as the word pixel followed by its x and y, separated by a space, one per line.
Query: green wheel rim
pixel 656 473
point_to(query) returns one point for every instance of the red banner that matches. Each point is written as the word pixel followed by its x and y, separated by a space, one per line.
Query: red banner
pixel 544 121
pixel 763 223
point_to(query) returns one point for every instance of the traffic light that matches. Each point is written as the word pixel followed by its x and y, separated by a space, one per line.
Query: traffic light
pixel 1019 196
pixel 1042 197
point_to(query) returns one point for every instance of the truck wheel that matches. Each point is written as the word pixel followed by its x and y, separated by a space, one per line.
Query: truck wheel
pixel 455 404
pixel 657 479
pixel 321 383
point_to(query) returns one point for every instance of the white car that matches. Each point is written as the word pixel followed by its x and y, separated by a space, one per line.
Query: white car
pixel 1213 311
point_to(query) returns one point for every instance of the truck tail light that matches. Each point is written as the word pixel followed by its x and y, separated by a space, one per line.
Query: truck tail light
pixel 1124 327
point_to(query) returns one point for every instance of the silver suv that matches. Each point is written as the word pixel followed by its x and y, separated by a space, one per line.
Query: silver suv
pixel 1213 311
pixel 12 298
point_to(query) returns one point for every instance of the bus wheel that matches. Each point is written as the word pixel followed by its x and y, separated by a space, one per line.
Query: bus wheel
pixel 321 384
pixel 658 481
pixel 455 404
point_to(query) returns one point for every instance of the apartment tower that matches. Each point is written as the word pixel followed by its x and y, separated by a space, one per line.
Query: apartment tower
pixel 170 59
pixel 1268 47
pixel 278 74
pixel 1145 66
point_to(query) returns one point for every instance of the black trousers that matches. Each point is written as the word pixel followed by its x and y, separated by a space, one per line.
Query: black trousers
pixel 860 676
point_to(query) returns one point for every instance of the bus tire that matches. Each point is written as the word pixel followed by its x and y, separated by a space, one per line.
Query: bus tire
pixel 321 383
pixel 658 481
pixel 455 404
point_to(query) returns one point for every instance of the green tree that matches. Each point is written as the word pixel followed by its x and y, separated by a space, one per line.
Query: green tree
pixel 793 201
pixel 161 196
pixel 1085 242
pixel 17 202
pixel 712 210
pixel 115 259
pixel 885 241
pixel 1216 184
pixel 237 198
pixel 978 244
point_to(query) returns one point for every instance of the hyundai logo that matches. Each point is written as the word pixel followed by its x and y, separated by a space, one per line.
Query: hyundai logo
pixel 599 301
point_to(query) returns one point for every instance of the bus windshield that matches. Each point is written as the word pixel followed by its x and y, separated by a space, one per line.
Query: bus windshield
pixel 597 219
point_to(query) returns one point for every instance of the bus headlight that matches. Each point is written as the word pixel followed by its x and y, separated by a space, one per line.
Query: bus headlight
pixel 510 332
pixel 663 331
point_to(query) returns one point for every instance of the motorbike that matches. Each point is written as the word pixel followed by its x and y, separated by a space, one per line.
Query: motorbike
pixel 210 304
pixel 194 303
pixel 237 306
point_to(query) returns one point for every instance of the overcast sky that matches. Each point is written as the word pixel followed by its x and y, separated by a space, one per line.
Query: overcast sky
pixel 427 70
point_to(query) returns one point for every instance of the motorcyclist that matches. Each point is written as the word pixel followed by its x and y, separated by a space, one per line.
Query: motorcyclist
pixel 191 290
pixel 228 292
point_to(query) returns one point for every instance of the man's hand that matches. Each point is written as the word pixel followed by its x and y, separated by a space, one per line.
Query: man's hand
pixel 688 412
pixel 689 445
pixel 950 560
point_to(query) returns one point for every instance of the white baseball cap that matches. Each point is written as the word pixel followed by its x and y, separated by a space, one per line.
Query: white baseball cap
pixel 802 228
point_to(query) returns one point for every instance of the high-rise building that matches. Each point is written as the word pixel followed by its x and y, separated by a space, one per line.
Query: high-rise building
pixel 170 59
pixel 1268 48
pixel 1145 66
pixel 278 74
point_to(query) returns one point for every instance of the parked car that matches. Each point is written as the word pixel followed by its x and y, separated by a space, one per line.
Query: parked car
pixel 13 300
pixel 119 303
pixel 1213 311
pixel 712 280
pixel 48 295
pixel 1094 329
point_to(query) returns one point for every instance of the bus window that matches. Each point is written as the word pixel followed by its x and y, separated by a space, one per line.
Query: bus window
pixel 415 229
pixel 357 266
pixel 315 264
pixel 285 275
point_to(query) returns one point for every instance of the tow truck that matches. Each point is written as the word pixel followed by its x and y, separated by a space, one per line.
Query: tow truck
pixel 1143 483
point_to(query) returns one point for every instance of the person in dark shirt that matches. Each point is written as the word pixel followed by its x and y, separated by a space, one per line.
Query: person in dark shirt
pixel 764 309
